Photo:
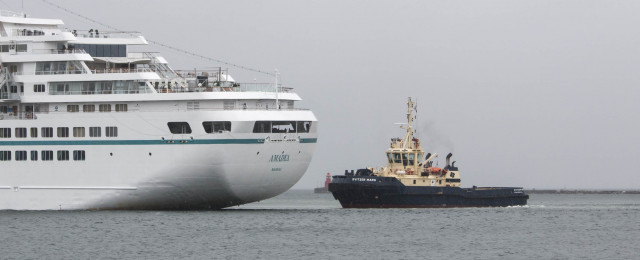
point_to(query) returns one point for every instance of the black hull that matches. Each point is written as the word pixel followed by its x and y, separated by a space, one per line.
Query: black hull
pixel 388 192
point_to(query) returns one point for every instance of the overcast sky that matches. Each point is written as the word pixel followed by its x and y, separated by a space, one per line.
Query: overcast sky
pixel 539 94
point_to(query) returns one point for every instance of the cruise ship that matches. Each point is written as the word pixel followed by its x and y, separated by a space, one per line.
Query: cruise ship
pixel 86 123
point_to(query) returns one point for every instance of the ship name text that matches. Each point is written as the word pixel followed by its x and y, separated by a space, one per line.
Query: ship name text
pixel 279 158
pixel 363 179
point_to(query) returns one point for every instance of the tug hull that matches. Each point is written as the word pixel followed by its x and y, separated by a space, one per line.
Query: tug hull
pixel 389 192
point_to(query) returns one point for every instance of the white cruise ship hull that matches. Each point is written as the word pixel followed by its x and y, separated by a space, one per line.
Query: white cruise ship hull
pixel 146 168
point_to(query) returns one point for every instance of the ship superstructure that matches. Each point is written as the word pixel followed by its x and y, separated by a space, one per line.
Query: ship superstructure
pixel 87 124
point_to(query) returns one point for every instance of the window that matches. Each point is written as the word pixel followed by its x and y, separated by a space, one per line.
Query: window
pixel 63 155
pixel 94 131
pixel 34 155
pixel 5 132
pixel 111 131
pixel 283 127
pixel 38 88
pixel 262 127
pixel 63 132
pixel 21 48
pixel 21 132
pixel 397 158
pixel 88 108
pixel 34 132
pixel 47 155
pixel 216 126
pixel 62 88
pixel 5 155
pixel 78 155
pixel 104 108
pixel 103 50
pixel 179 127
pixel 21 155
pixel 47 131
pixel 78 132
pixel 73 108
pixel 303 126
pixel 411 158
pixel 121 107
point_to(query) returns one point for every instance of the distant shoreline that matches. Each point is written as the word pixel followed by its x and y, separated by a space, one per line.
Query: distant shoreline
pixel 566 191
pixel 557 191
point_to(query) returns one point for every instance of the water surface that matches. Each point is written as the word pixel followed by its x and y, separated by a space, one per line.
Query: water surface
pixel 300 224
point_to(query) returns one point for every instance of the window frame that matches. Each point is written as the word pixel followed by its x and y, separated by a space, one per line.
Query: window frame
pixel 21 155
pixel 73 108
pixel 5 155
pixel 5 132
pixel 175 126
pixel 62 132
pixel 88 108
pixel 63 155
pixel 78 131
pixel 95 129
pixel 111 131
pixel 214 127
pixel 79 155
pixel 21 132
pixel 46 132
pixel 46 155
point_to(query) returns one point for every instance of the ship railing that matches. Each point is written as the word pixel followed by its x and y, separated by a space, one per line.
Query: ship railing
pixel 226 87
pixel 141 90
pixel 20 115
pixel 51 72
pixel 27 32
pixel 94 71
pixel 35 115
pixel 263 87
pixel 214 72
pixel 121 70
pixel 9 96
pixel 56 51
pixel 7 13
pixel 91 33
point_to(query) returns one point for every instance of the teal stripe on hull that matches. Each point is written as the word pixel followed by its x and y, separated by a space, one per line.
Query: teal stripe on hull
pixel 309 140
pixel 144 142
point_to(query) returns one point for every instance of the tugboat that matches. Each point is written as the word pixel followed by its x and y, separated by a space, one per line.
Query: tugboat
pixel 325 188
pixel 407 182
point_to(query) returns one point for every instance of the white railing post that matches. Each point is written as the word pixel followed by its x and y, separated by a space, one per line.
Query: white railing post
pixel 277 99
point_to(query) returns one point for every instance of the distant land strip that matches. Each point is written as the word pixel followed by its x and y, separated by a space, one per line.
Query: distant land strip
pixel 564 191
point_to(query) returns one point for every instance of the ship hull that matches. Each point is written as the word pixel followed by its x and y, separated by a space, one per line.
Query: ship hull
pixel 198 171
pixel 387 192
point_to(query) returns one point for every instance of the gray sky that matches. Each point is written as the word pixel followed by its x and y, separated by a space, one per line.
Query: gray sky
pixel 539 94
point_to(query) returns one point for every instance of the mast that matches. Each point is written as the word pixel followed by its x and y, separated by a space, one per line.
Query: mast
pixel 408 137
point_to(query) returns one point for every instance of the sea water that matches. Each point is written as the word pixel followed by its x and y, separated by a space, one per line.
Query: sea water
pixel 302 225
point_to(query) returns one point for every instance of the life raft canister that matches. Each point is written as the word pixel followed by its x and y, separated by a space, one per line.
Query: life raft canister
pixel 436 170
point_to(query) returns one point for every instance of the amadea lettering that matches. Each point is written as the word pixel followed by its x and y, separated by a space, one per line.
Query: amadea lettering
pixel 279 158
